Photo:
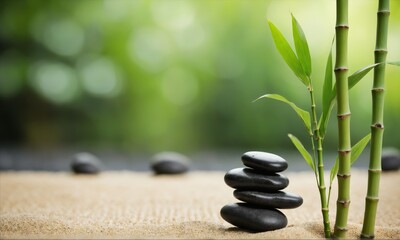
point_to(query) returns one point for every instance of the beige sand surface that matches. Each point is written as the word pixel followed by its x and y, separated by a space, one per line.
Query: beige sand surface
pixel 140 205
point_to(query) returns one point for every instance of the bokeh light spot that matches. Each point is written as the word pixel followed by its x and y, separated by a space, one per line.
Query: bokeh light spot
pixel 150 49
pixel 191 38
pixel 54 81
pixel 100 78
pixel 63 37
pixel 173 15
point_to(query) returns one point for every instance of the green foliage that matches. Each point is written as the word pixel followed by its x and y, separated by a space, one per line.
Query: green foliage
pixel 356 151
pixel 193 88
pixel 302 50
pixel 334 171
pixel 304 115
pixel 288 55
pixel 327 95
pixel 355 78
pixel 306 155
pixel 301 66
pixel 359 74
pixel 397 63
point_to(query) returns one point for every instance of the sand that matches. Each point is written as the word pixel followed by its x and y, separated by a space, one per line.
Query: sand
pixel 132 205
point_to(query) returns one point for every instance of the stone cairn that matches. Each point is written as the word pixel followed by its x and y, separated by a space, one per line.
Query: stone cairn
pixel 258 185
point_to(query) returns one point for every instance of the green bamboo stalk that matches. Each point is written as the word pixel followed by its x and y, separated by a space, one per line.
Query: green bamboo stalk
pixel 320 167
pixel 343 114
pixel 374 172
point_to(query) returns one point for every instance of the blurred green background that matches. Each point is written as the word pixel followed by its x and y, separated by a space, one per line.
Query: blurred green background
pixel 147 76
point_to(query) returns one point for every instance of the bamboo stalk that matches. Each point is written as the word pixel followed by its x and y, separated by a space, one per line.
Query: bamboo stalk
pixel 343 114
pixel 374 172
pixel 320 168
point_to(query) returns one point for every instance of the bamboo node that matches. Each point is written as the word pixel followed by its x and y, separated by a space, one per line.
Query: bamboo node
pixel 383 12
pixel 344 152
pixel 343 116
pixel 380 50
pixel 375 170
pixel 341 229
pixel 344 203
pixel 363 236
pixel 377 125
pixel 378 89
pixel 373 199
pixel 343 176
pixel 342 26
pixel 340 69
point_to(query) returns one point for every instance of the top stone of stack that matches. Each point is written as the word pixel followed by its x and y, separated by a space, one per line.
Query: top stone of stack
pixel 265 162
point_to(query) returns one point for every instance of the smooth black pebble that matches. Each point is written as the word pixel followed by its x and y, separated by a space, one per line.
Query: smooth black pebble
pixel 170 163
pixel 264 161
pixel 249 179
pixel 277 199
pixel 390 160
pixel 85 163
pixel 252 218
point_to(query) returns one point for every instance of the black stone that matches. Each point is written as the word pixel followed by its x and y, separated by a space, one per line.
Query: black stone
pixel 170 163
pixel 252 218
pixel 250 179
pixel 264 161
pixel 390 160
pixel 85 163
pixel 277 199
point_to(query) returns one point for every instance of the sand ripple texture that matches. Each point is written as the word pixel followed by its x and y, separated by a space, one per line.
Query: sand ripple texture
pixel 141 205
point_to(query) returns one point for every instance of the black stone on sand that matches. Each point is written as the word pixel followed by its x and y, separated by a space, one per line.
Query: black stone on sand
pixel 247 178
pixel 278 199
pixel 258 186
pixel 253 218
pixel 264 161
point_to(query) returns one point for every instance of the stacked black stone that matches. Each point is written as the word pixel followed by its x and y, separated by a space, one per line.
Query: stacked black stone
pixel 258 185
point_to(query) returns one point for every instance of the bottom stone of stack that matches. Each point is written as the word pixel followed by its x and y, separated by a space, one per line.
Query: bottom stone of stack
pixel 253 218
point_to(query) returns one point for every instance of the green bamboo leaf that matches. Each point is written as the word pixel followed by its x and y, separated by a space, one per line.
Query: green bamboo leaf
pixel 302 50
pixel 288 55
pixel 327 95
pixel 397 63
pixel 325 116
pixel 353 79
pixel 358 148
pixel 334 171
pixel 306 155
pixel 356 151
pixel 304 115
pixel 359 74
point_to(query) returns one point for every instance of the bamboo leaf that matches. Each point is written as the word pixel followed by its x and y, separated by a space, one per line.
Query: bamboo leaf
pixel 354 78
pixel 327 95
pixel 325 116
pixel 304 115
pixel 334 170
pixel 302 50
pixel 359 74
pixel 288 55
pixel 397 63
pixel 357 149
pixel 327 88
pixel 306 155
